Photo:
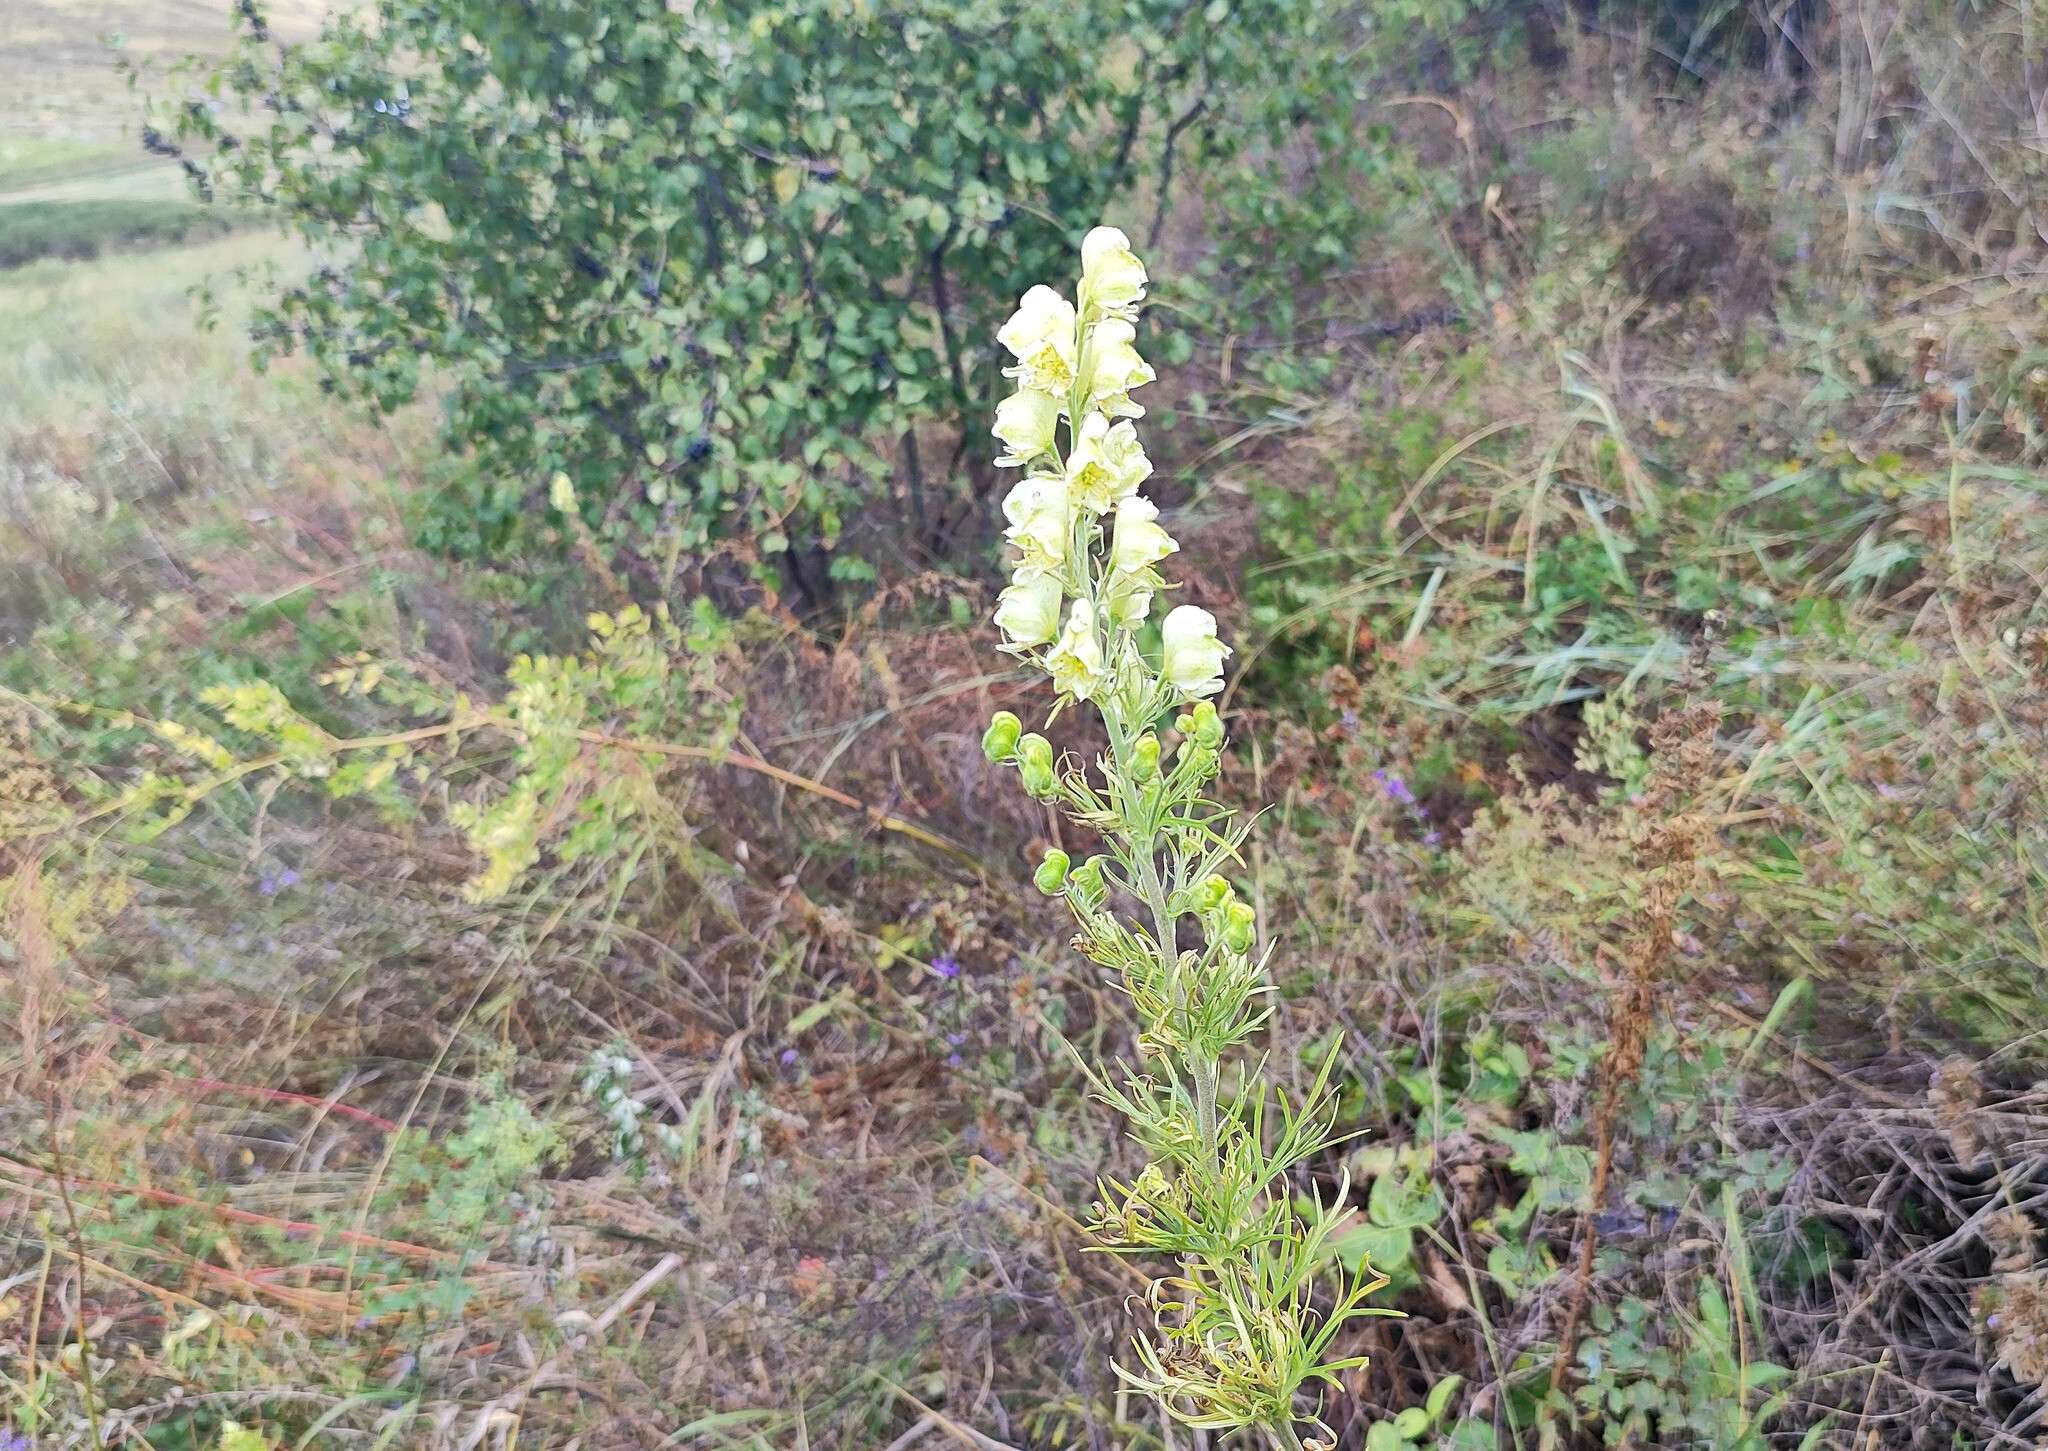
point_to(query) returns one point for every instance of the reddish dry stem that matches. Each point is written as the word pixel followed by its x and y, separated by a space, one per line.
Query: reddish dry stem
pixel 297 1229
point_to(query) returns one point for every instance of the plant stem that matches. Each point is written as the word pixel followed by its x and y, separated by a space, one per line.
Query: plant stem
pixel 1289 1438
pixel 1203 1068
pixel 86 1389
pixel 1206 1072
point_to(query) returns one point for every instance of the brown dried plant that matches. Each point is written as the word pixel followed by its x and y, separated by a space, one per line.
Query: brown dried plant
pixel 1670 831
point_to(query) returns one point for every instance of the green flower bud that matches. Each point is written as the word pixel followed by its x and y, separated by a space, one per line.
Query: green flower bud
pixel 1052 872
pixel 1152 1184
pixel 1086 884
pixel 1208 725
pixel 1238 920
pixel 1145 759
pixel 1034 765
pixel 1210 893
pixel 999 741
pixel 1197 759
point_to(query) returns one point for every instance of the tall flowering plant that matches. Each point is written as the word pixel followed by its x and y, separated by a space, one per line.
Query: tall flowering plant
pixel 1239 1327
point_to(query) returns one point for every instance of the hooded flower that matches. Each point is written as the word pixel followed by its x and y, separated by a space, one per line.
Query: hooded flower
pixel 1108 464
pixel 1192 659
pixel 1076 661
pixel 1025 422
pixel 1039 516
pixel 1112 277
pixel 1138 542
pixel 1128 600
pixel 1114 368
pixel 1028 612
pixel 1041 337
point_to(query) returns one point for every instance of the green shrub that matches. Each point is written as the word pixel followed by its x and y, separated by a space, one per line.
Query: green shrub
pixel 714 263
pixel 31 231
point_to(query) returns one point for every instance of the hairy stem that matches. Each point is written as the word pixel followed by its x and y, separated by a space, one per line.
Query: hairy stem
pixel 1203 1067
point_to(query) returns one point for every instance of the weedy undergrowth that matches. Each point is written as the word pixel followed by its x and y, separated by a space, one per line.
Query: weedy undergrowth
pixel 1238 1330
pixel 1668 851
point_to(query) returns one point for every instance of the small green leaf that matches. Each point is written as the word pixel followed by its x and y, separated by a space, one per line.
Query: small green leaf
pixel 1440 1394
pixel 815 1014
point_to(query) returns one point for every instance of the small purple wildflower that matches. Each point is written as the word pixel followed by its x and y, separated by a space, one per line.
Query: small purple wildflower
pixel 946 965
pixel 956 1039
pixel 953 1060
pixel 1432 837
pixel 13 1441
pixel 789 1056
pixel 1395 787
pixel 271 884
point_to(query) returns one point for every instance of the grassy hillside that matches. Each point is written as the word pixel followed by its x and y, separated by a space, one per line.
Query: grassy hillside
pixel 74 179
pixel 545 1007
pixel 56 70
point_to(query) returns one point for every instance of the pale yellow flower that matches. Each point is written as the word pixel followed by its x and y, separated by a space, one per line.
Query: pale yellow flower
pixel 1028 612
pixel 1042 337
pixel 1114 368
pixel 1128 600
pixel 1076 661
pixel 1107 464
pixel 1192 658
pixel 1137 541
pixel 1039 519
pixel 1112 277
pixel 1025 422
